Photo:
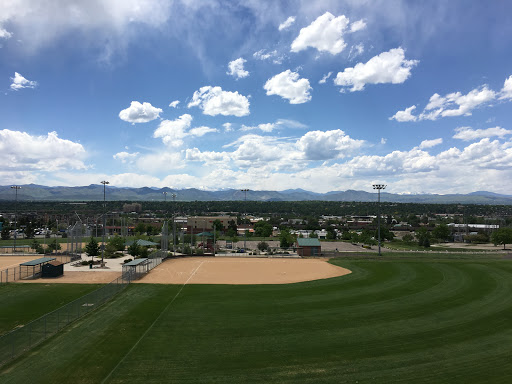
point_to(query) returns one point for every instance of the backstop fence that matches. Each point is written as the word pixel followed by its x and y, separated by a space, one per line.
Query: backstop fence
pixel 26 337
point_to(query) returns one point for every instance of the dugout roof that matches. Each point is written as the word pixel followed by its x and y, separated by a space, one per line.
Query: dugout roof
pixel 35 262
pixel 135 262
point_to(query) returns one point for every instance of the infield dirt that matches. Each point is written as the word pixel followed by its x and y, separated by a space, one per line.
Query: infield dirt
pixel 219 270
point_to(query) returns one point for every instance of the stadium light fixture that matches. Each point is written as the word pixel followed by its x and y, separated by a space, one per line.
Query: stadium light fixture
pixel 15 187
pixel 104 222
pixel 379 187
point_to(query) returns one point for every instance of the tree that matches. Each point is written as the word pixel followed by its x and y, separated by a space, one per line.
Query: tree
pixel 54 246
pixel 331 233
pixel 313 235
pixel 286 239
pixel 92 248
pixel 502 236
pixel 423 237
pixel 408 238
pixel 6 234
pixel 262 229
pixel 442 232
pixel 140 228
pixel 134 249
pixel 117 242
pixel 217 225
pixel 29 231
pixel 263 246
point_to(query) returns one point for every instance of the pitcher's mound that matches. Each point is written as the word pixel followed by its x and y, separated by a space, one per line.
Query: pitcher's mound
pixel 218 270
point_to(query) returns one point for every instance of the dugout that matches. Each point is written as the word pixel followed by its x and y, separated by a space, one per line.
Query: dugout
pixel 33 268
pixel 52 269
pixel 136 268
pixel 308 247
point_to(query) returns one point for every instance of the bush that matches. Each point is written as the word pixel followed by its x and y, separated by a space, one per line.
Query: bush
pixel 128 260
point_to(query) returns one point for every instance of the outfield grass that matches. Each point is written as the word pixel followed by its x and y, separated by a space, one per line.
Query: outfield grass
pixel 22 303
pixel 410 321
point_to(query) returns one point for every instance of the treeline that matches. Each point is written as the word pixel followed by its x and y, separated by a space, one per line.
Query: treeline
pixel 286 209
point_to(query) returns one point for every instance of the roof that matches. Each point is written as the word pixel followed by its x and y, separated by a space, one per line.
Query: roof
pixel 142 243
pixel 56 263
pixel 42 260
pixel 311 242
pixel 135 262
pixel 207 234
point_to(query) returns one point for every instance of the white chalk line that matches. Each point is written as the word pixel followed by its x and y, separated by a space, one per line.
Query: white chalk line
pixel 152 324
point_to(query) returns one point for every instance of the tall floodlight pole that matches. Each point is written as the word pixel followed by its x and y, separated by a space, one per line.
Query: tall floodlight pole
pixel 173 224
pixel 245 209
pixel 15 187
pixel 104 222
pixel 378 187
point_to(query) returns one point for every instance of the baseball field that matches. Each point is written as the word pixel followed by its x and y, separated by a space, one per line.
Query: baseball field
pixel 413 320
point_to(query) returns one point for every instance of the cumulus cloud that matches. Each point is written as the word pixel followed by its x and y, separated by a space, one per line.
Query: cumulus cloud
pixel 430 143
pixel 214 101
pixel 228 127
pixel 172 132
pixel 267 127
pixel 289 86
pixel 287 23
pixel 318 145
pixel 236 68
pixel 357 25
pixel 139 113
pixel 174 104
pixel 325 34
pixel 356 50
pixel 19 82
pixel 126 157
pixel 405 115
pixel 465 103
pixel 323 80
pixel 506 91
pixel 160 161
pixel 469 134
pixel 24 152
pixel 387 67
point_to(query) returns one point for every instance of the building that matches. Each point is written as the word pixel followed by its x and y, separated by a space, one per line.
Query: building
pixel 308 247
pixel 133 207
pixel 198 224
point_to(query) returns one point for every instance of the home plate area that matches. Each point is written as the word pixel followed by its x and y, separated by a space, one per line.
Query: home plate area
pixel 219 270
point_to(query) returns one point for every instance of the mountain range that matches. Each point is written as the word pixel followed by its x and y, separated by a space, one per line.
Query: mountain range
pixel 33 192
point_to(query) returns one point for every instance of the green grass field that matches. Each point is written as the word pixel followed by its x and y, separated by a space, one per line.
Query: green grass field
pixel 409 321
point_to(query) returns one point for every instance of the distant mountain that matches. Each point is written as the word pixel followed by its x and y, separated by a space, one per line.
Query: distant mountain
pixel 33 192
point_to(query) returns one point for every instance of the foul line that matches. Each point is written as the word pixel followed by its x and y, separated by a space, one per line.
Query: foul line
pixel 152 324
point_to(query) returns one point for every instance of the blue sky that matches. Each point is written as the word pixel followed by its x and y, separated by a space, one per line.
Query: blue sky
pixel 265 95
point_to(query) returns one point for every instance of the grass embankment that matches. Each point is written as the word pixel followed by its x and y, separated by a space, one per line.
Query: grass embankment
pixel 411 321
pixel 22 303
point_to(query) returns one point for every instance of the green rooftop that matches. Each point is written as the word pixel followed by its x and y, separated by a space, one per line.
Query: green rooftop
pixel 308 242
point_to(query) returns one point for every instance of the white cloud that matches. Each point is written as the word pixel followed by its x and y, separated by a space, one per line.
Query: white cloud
pixel 267 127
pixel 291 123
pixel 19 82
pixel 214 101
pixel 356 50
pixel 228 127
pixel 318 145
pixel 289 86
pixel 323 80
pixel 20 151
pixel 236 68
pixel 139 113
pixel 469 134
pixel 5 34
pixel 287 23
pixel 387 67
pixel 174 104
pixel 405 115
pixel 430 143
pixel 208 157
pixel 126 157
pixel 466 103
pixel 172 132
pixel 163 161
pixel 201 131
pixel 357 25
pixel 325 34
pixel 506 91
pixel 263 54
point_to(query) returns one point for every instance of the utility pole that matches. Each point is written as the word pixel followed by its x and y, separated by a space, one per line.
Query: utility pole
pixel 378 187
pixel 15 187
pixel 173 224
pixel 245 213
pixel 104 221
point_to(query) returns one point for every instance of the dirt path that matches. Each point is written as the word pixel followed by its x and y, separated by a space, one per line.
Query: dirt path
pixel 219 270
pixel 15 261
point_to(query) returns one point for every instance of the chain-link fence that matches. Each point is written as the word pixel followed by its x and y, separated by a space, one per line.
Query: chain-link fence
pixel 26 337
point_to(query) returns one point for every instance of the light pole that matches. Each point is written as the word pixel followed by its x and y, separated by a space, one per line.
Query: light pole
pixel 245 209
pixel 378 187
pixel 15 187
pixel 104 223
pixel 173 224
